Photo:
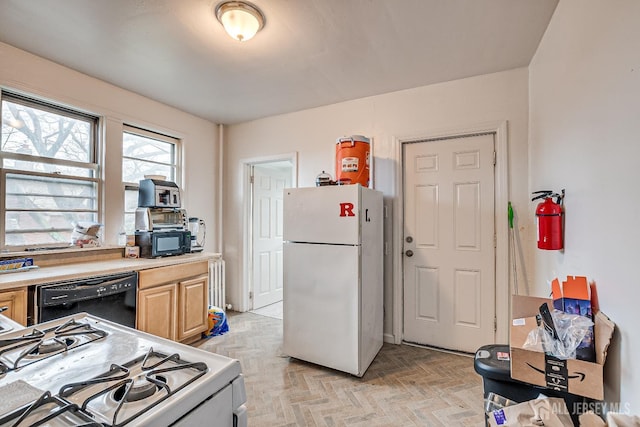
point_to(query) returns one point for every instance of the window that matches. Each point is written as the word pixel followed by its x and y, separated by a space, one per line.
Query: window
pixel 49 172
pixel 145 153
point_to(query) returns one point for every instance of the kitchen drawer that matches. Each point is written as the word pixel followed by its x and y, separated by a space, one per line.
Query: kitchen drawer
pixel 171 274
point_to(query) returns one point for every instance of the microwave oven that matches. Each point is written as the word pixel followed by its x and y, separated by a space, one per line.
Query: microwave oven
pixel 163 243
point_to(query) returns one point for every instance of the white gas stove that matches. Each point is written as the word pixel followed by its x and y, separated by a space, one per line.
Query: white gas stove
pixel 7 325
pixel 83 370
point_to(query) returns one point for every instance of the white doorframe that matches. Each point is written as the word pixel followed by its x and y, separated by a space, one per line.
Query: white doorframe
pixel 503 289
pixel 245 274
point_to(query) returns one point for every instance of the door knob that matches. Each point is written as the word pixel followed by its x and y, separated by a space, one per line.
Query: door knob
pixel 409 253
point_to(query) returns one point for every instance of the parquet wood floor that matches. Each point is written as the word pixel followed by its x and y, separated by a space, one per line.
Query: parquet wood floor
pixel 404 386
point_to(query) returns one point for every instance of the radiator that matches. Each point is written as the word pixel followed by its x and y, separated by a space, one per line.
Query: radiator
pixel 216 284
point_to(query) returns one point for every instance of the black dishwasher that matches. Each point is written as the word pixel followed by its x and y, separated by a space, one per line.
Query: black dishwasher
pixel 111 297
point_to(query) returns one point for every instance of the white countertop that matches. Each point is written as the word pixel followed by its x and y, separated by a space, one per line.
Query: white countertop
pixel 77 270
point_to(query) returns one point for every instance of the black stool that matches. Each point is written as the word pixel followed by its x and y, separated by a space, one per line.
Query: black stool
pixel 496 378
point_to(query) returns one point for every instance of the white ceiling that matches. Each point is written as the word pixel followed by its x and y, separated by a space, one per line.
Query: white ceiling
pixel 310 52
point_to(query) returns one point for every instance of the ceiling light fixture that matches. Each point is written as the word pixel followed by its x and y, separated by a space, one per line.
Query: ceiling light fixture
pixel 240 19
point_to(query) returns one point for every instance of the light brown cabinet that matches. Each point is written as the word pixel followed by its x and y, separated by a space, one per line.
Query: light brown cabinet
pixel 192 307
pixel 172 300
pixel 16 302
pixel 156 308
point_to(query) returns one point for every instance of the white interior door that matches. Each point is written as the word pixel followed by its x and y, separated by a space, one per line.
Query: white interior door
pixel 269 181
pixel 449 243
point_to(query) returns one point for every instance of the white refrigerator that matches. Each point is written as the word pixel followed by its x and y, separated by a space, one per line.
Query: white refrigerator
pixel 333 284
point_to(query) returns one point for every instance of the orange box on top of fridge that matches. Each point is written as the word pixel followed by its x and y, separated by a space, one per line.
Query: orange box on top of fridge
pixel 352 160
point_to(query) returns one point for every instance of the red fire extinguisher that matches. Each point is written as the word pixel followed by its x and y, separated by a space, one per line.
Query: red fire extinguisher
pixel 549 219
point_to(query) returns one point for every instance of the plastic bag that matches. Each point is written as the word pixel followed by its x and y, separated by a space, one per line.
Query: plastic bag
pixel 86 234
pixel 571 329
pixel 217 322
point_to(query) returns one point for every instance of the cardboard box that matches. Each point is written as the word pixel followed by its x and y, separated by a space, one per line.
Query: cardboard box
pixel 548 412
pixel 132 251
pixel 16 264
pixel 573 376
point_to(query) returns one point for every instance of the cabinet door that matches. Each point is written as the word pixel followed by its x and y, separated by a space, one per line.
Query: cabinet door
pixel 16 303
pixel 193 307
pixel 157 311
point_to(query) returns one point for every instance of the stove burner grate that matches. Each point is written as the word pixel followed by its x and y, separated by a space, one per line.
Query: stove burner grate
pixel 72 327
pixel 42 344
pixel 129 390
pixel 115 373
pixel 54 407
pixel 10 344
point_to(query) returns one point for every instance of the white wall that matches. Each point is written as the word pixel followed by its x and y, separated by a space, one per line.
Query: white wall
pixel 415 112
pixel 39 77
pixel 584 128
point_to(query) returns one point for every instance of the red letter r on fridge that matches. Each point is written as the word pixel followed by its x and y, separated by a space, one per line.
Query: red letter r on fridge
pixel 346 209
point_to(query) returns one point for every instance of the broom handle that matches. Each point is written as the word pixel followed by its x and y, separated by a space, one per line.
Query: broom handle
pixel 512 235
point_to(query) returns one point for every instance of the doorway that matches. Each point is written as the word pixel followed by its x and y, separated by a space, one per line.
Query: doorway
pixel 418 302
pixel 266 179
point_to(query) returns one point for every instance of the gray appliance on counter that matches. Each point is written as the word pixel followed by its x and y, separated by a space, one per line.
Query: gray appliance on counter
pixel 155 193
pixel 161 226
pixel 198 231
pixel 84 370
pixel 160 219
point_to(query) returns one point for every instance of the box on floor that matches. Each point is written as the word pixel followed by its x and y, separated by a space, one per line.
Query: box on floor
pixel 548 412
pixel 573 376
pixel 613 420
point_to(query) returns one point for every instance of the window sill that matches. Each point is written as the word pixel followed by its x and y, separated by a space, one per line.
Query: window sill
pixel 72 254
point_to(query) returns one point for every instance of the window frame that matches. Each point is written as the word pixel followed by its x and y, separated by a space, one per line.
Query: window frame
pixel 176 166
pixel 92 165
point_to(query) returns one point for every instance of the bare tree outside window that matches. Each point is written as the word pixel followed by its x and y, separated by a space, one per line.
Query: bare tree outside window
pixel 28 130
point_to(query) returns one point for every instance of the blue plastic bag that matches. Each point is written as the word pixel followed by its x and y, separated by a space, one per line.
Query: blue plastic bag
pixel 217 322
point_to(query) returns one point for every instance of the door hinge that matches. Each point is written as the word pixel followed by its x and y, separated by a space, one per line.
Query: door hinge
pixel 251 179
pixel 495 241
pixel 250 294
pixel 495 324
pixel 495 158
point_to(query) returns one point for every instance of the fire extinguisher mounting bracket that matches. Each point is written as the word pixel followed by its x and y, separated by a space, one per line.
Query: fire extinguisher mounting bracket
pixel 560 199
